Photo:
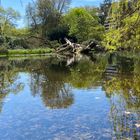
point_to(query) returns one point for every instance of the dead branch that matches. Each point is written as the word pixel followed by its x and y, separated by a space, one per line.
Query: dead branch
pixel 74 48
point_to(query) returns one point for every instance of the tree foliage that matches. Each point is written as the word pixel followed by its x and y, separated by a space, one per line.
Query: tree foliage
pixel 124 25
pixel 83 24
pixel 8 18
pixel 44 15
pixel 104 10
pixel 52 20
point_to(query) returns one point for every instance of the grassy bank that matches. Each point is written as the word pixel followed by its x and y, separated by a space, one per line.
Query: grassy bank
pixel 19 52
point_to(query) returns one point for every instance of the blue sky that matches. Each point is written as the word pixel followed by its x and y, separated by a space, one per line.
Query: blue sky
pixel 86 2
pixel 16 4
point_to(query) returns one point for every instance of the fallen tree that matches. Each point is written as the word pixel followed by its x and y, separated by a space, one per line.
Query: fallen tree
pixel 74 48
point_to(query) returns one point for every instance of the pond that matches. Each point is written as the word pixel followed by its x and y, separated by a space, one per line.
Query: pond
pixel 90 98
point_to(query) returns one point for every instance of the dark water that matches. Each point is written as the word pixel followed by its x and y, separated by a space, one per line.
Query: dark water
pixel 96 98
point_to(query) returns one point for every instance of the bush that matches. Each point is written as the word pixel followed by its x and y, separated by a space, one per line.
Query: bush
pixel 1 40
pixel 85 43
pixel 3 50
pixel 58 33
pixel 13 43
pixel 55 44
pixel 18 43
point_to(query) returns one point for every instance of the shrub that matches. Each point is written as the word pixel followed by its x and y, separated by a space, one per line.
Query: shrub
pixel 1 40
pixel 18 43
pixel 58 33
pixel 85 43
pixel 3 50
pixel 55 44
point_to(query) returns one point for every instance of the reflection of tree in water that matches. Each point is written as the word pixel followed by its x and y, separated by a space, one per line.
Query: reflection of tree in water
pixel 121 84
pixel 57 95
pixel 8 78
pixel 87 73
pixel 2 97
pixel 54 78
pixel 123 89
pixel 50 80
pixel 124 119
pixel 124 83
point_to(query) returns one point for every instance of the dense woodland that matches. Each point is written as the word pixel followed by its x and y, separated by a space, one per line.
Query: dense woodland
pixel 114 25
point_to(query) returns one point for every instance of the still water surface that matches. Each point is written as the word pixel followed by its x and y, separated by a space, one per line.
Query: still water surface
pixel 96 98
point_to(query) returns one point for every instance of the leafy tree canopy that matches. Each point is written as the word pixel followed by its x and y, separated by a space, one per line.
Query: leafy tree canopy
pixel 124 22
pixel 83 25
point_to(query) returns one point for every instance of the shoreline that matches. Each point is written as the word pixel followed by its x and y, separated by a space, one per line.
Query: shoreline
pixel 27 52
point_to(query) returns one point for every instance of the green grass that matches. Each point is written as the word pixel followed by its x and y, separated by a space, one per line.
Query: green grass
pixel 30 51
pixel 18 52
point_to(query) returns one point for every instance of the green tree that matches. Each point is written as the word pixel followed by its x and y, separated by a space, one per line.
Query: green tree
pixel 83 25
pixel 104 10
pixel 8 18
pixel 45 15
pixel 124 29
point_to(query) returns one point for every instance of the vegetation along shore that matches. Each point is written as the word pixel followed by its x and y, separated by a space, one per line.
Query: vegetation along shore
pixel 112 26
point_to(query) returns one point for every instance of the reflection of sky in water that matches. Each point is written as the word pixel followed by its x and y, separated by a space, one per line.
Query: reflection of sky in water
pixel 57 104
pixel 24 116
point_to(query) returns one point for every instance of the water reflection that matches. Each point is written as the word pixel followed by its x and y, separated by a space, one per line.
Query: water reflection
pixel 8 83
pixel 53 80
pixel 123 89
